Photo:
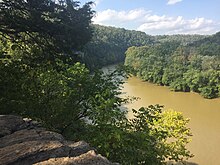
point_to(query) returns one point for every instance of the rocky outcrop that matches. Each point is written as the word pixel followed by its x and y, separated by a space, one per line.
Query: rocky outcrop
pixel 25 142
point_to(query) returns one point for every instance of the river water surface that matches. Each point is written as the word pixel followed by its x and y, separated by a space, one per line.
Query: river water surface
pixel 204 116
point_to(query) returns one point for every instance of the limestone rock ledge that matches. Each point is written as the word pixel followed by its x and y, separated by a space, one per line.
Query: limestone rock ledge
pixel 25 142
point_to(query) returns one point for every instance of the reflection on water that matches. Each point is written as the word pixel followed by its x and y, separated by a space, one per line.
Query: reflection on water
pixel 204 115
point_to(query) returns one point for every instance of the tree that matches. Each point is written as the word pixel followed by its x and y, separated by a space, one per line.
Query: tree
pixel 147 137
pixel 38 41
pixel 182 68
pixel 86 107
pixel 40 80
pixel 55 26
pixel 108 45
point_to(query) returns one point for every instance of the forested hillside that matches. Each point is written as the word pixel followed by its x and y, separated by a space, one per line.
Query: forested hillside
pixel 184 39
pixel 193 67
pixel 209 46
pixel 41 78
pixel 109 44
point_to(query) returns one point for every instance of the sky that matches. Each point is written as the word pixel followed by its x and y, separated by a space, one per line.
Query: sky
pixel 158 17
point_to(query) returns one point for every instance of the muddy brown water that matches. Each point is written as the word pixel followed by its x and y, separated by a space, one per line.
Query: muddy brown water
pixel 204 116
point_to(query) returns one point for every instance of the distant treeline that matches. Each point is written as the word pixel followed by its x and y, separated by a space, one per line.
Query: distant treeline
pixel 183 67
pixel 109 44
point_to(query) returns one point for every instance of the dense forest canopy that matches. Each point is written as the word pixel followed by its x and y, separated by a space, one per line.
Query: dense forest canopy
pixel 192 67
pixel 209 46
pixel 108 44
pixel 42 43
pixel 184 39
pixel 55 27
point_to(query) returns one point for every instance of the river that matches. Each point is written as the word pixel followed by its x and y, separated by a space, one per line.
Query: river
pixel 204 116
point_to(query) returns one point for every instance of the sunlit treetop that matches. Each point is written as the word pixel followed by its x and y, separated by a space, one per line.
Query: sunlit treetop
pixel 59 26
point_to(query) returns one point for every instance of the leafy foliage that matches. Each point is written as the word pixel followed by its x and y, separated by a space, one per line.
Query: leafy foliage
pixel 151 137
pixel 55 26
pixel 41 79
pixel 109 44
pixel 84 106
pixel 80 105
pixel 184 39
pixel 182 68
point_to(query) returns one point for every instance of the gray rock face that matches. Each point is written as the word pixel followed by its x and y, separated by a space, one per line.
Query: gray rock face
pixel 9 124
pixel 24 142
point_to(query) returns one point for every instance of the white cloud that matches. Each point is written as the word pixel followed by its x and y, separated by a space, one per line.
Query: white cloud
pixel 119 16
pixel 172 2
pixel 179 25
pixel 147 21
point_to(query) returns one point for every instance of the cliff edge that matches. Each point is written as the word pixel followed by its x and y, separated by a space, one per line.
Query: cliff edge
pixel 23 141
